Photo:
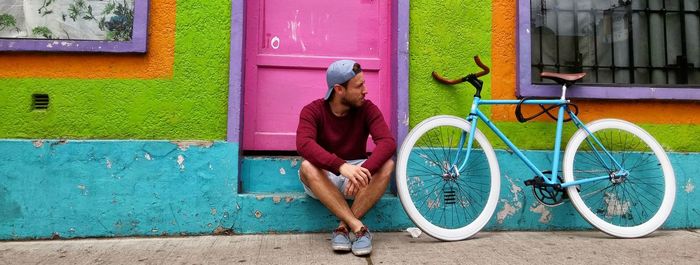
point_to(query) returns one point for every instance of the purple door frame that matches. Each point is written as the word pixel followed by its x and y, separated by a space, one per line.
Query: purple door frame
pixel 399 74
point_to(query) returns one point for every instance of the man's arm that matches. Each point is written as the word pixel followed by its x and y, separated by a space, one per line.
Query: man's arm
pixel 307 146
pixel 383 140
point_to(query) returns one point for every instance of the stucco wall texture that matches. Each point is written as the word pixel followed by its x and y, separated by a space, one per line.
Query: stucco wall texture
pixel 444 35
pixel 66 189
pixel 177 90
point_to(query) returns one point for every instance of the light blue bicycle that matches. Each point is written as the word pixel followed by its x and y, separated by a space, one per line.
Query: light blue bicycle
pixel 616 174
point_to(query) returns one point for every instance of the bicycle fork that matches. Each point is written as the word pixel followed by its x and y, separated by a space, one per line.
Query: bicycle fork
pixel 602 155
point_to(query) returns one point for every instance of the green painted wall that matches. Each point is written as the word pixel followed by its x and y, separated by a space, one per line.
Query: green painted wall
pixel 444 35
pixel 190 105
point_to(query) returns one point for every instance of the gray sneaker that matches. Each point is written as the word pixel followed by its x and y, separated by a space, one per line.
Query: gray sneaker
pixel 363 242
pixel 340 241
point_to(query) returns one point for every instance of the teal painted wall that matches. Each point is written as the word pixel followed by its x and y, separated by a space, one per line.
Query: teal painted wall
pixel 266 208
pixel 191 104
pixel 116 188
pixel 73 189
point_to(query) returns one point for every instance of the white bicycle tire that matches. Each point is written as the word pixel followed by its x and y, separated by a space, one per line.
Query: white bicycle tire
pixel 402 180
pixel 666 205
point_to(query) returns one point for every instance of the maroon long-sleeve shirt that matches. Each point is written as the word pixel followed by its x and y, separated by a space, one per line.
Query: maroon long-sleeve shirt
pixel 327 141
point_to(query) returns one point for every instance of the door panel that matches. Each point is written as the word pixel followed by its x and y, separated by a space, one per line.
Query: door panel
pixel 289 44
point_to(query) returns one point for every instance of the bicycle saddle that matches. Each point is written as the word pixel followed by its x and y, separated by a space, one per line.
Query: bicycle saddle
pixel 562 79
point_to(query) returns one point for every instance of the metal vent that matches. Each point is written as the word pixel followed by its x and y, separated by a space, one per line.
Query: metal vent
pixel 40 101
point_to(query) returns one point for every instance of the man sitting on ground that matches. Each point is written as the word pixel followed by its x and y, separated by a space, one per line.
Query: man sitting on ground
pixel 331 137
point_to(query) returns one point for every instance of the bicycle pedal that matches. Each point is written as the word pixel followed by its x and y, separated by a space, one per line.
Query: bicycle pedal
pixel 537 180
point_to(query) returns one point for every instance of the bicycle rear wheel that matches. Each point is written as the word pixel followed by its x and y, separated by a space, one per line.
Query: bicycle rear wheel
pixel 633 200
pixel 443 203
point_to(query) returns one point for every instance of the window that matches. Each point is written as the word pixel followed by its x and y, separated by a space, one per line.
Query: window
pixel 115 26
pixel 628 48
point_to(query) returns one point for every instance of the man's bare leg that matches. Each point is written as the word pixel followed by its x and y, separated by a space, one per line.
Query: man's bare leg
pixel 316 179
pixel 367 197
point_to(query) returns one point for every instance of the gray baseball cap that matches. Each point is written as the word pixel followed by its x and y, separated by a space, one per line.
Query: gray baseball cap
pixel 338 72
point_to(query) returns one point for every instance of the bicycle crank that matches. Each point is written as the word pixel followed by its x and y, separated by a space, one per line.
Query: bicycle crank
pixel 547 194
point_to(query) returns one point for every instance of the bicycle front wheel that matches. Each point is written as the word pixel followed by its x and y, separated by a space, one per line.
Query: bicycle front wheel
pixel 638 193
pixel 444 196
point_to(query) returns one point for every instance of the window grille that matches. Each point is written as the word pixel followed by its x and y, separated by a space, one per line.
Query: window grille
pixel 617 42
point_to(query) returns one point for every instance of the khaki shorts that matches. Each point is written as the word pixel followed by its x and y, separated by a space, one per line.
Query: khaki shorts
pixel 338 181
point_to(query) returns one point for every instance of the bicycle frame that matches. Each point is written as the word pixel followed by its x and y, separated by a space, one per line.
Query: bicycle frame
pixel 475 115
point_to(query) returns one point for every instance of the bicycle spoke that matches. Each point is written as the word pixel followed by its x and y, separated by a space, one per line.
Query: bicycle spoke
pixel 629 197
pixel 444 197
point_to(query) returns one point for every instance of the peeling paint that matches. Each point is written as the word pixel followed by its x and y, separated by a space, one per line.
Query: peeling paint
pixel 258 214
pixel 181 162
pixel 295 162
pixel 259 197
pixel 83 189
pixel 38 143
pixel 282 171
pixel 689 187
pixel 294 25
pixel 508 210
pixel 59 142
pixel 514 188
pixel 184 145
pixel 542 209
pixel 433 204
pixel 109 164
pixel 276 199
pixel 148 156
pixel 213 211
pixel 220 230
pixel 614 206
pixel 288 199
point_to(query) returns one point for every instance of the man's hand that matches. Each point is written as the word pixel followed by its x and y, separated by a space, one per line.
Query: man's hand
pixel 350 190
pixel 359 176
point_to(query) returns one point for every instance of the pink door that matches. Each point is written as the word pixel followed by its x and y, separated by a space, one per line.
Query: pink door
pixel 289 44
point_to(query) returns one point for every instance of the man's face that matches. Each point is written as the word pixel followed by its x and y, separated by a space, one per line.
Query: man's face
pixel 354 93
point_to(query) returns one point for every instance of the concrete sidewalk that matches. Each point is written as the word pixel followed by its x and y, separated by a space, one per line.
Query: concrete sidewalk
pixel 662 247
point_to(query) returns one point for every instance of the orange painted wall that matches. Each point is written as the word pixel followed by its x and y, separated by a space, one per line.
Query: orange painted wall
pixel 504 41
pixel 157 62
pixel 177 90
